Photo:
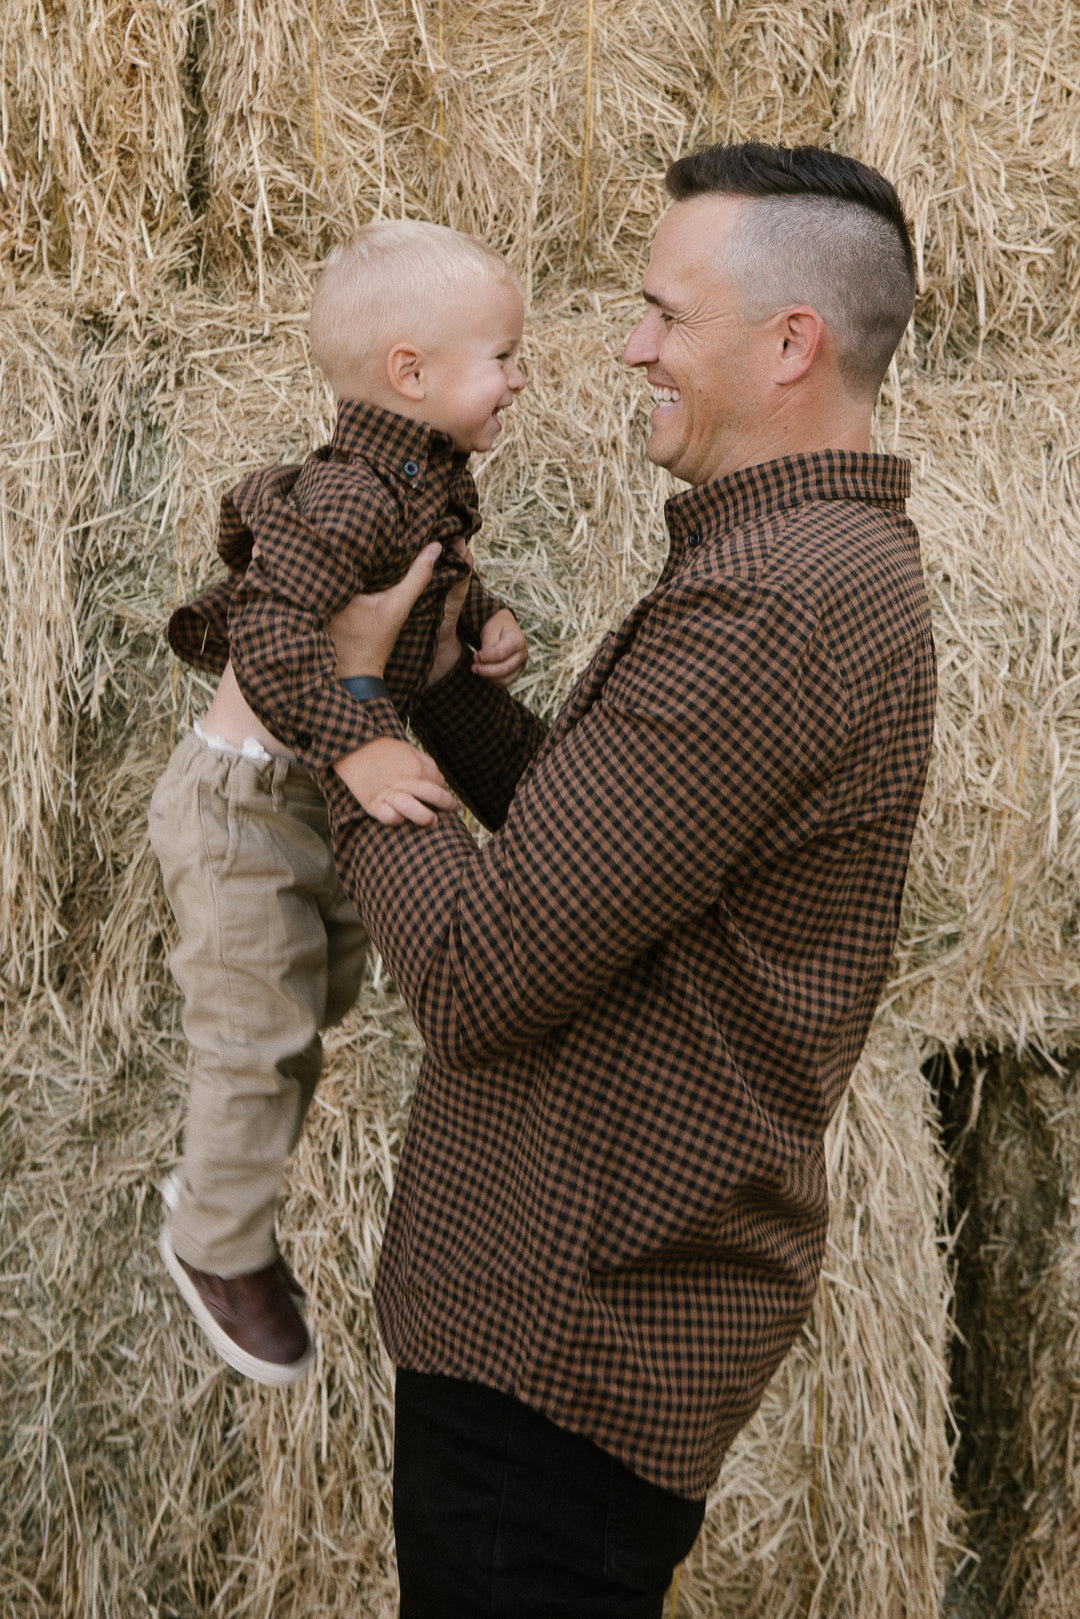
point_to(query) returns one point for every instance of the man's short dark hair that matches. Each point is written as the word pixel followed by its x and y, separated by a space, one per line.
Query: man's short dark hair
pixel 825 230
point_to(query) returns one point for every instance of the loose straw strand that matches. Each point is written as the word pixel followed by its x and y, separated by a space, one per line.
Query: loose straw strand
pixel 588 129
pixel 440 88
pixel 719 60
pixel 315 89
pixel 815 1491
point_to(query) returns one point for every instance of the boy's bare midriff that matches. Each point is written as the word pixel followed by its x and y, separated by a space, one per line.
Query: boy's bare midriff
pixel 229 719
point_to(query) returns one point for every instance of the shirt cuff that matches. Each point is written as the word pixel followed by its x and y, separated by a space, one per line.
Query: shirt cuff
pixel 368 721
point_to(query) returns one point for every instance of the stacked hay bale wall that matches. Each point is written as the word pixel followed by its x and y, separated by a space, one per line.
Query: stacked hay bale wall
pixel 171 174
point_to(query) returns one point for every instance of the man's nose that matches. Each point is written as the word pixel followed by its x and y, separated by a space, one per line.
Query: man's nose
pixel 640 349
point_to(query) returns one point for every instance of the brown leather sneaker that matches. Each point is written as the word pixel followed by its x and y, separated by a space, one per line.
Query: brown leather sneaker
pixel 252 1321
pixel 170 1192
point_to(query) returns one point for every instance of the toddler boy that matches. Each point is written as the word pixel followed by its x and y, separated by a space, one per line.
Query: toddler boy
pixel 417 328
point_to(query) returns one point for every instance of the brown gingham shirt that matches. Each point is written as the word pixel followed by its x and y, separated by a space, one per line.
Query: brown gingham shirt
pixel 351 517
pixel 642 997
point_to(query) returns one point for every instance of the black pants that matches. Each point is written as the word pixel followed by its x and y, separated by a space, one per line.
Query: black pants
pixel 499 1514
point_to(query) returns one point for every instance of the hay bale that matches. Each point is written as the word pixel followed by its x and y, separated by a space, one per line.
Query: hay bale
pixel 211 154
pixel 988 952
pixel 40 483
pixel 1013 1130
pixel 544 128
pixel 141 1476
pixel 972 111
pixel 94 108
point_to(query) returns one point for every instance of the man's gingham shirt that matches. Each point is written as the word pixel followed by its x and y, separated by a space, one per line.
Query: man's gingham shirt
pixel 352 517
pixel 642 997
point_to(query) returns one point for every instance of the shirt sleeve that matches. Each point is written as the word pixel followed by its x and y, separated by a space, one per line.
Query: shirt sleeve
pixel 198 631
pixel 705 743
pixel 480 605
pixel 481 738
pixel 306 569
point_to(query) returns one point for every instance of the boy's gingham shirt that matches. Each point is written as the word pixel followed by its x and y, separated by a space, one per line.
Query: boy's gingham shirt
pixel 643 996
pixel 300 541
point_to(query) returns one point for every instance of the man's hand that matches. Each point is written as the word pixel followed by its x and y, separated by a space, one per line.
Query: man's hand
pixel 365 631
pixel 394 783
pixel 503 653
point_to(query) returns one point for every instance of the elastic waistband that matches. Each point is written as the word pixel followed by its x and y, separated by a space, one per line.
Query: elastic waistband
pixel 273 774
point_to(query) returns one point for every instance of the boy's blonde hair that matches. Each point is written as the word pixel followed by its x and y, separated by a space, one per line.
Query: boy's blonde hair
pixel 388 282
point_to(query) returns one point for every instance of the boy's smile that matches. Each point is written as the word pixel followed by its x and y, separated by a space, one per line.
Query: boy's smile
pixel 471 373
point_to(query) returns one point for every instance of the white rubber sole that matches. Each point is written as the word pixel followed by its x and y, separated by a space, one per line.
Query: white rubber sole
pixel 268 1372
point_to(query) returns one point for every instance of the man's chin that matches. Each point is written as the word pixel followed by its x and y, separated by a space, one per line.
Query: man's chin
pixel 657 452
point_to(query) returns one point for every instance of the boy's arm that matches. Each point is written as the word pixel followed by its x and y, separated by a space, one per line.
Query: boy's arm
pixel 482 739
pixel 300 573
pixel 480 605
pixel 198 631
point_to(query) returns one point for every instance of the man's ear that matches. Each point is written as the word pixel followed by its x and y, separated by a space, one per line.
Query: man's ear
pixel 799 337
pixel 406 371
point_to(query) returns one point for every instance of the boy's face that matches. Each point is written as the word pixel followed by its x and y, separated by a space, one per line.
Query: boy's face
pixel 471 372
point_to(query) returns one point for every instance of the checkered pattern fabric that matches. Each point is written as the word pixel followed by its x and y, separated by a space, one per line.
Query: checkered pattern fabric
pixel 352 517
pixel 642 997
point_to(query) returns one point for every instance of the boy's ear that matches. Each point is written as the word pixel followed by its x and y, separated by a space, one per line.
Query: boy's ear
pixel 405 371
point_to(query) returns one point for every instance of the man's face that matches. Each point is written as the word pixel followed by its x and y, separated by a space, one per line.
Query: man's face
pixel 705 363
pixel 472 372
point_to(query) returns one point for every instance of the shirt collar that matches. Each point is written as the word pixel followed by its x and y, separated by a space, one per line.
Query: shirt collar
pixel 758 492
pixel 391 443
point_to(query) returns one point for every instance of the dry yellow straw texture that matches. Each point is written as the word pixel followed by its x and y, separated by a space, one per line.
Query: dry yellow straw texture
pixel 170 174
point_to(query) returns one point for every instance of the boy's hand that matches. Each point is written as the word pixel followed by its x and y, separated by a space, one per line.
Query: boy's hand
pixel 503 653
pixel 394 783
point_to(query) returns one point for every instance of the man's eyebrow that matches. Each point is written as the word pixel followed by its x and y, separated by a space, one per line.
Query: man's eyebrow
pixel 656 299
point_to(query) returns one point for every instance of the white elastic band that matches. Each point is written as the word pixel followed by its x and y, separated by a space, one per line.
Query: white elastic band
pixel 252 749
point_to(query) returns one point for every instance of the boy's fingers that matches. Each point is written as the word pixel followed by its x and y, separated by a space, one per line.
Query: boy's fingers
pixel 498 669
pixel 421 806
pixel 385 814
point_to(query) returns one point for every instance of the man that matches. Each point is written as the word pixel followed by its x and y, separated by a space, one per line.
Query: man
pixel 642 998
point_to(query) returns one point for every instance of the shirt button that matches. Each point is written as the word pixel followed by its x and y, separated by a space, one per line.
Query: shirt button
pixel 693 538
pixel 411 469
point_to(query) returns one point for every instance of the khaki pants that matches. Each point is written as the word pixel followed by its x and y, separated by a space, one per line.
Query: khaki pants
pixel 271 951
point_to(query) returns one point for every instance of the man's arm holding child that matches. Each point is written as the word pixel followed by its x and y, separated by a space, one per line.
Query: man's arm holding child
pixel 480 736
pixel 305 566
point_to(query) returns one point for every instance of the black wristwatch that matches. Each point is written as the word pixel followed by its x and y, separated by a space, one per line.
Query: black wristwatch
pixel 365 687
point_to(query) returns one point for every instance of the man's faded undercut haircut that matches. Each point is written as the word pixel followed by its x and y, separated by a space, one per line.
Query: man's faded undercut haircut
pixel 823 230
pixel 391 282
